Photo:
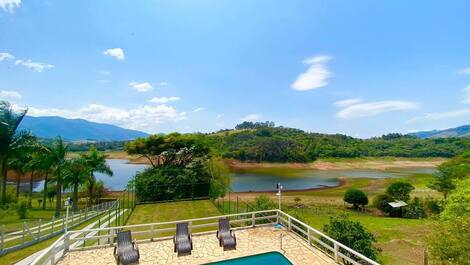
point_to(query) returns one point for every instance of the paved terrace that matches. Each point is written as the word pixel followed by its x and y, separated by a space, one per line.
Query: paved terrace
pixel 250 241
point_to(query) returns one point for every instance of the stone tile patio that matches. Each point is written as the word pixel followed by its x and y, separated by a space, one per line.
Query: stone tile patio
pixel 206 249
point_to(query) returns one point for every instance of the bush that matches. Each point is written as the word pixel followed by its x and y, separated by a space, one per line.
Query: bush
pixel 22 209
pixel 356 198
pixel 432 205
pixel 381 202
pixel 263 202
pixel 415 210
pixel 448 244
pixel 400 190
pixel 352 234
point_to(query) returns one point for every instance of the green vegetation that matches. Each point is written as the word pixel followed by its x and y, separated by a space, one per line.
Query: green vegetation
pixel 356 197
pixel 451 171
pixel 400 190
pixel 182 168
pixel 264 142
pixel 352 234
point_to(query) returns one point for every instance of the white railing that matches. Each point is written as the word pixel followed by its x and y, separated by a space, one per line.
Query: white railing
pixel 33 233
pixel 163 230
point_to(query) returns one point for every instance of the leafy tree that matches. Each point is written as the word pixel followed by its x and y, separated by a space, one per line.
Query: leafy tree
pixel 263 202
pixel 75 174
pixel 352 234
pixel 457 203
pixel 43 162
pixel 356 197
pixel 22 209
pixel 415 210
pixel 58 153
pixel 451 171
pixel 381 202
pixel 11 141
pixel 448 243
pixel 400 190
pixel 96 162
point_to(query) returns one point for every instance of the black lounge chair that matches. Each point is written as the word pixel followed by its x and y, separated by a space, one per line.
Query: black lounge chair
pixel 126 250
pixel 225 235
pixel 183 240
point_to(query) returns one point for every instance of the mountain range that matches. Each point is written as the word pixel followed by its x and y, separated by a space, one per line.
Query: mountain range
pixel 461 131
pixel 77 129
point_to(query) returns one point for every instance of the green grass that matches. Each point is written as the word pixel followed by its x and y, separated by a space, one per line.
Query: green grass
pixel 171 211
pixel 16 256
pixel 401 240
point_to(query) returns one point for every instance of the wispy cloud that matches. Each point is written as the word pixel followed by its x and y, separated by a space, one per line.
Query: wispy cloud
pixel 9 94
pixel 466 92
pixel 141 87
pixel 316 76
pixel 145 118
pixel 117 53
pixel 368 109
pixel 251 117
pixel 163 83
pixel 36 66
pixel 441 115
pixel 465 71
pixel 6 56
pixel 347 102
pixel 198 109
pixel 9 5
pixel 219 116
pixel 164 99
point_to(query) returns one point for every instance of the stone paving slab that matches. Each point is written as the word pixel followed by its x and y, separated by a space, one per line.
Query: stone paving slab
pixel 206 249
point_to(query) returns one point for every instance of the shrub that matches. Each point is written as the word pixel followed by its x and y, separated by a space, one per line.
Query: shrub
pixel 356 198
pixel 352 234
pixel 457 203
pixel 400 190
pixel 448 244
pixel 432 205
pixel 415 210
pixel 381 202
pixel 22 209
pixel 263 202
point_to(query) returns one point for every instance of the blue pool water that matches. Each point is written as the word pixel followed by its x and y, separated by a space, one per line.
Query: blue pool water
pixel 270 258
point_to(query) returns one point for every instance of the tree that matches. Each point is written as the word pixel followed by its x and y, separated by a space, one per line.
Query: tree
pixel 448 243
pixel 75 173
pixel 58 154
pixel 96 162
pixel 352 234
pixel 400 190
pixel 451 171
pixel 381 202
pixel 356 197
pixel 10 140
pixel 44 162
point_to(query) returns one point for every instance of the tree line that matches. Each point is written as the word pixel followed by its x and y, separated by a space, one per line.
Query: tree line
pixel 22 156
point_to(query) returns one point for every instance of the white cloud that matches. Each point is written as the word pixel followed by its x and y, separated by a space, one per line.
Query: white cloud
pixel 465 71
pixel 466 92
pixel 316 75
pixel 8 94
pixel 198 109
pixel 251 117
pixel 38 67
pixel 141 87
pixel 5 56
pixel 117 53
pixel 9 5
pixel 164 99
pixel 347 102
pixel 374 108
pixel 442 115
pixel 145 118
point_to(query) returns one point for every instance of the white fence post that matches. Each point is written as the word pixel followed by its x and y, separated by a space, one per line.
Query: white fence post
pixel 2 234
pixel 22 234
pixel 253 220
pixel 39 228
pixel 309 236
pixel 336 247
pixel 66 242
pixel 289 223
pixel 53 222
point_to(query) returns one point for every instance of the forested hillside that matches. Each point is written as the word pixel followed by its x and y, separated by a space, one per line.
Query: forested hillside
pixel 280 144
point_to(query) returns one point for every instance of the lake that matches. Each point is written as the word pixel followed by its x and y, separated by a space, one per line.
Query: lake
pixel 266 179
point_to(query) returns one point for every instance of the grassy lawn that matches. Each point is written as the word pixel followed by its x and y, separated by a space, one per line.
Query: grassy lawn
pixel 401 240
pixel 172 211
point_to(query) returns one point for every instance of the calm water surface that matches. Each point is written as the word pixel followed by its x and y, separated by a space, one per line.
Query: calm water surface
pixel 263 179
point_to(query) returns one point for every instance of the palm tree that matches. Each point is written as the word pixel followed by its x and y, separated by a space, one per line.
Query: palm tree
pixel 10 141
pixel 96 162
pixel 58 154
pixel 40 163
pixel 18 163
pixel 75 174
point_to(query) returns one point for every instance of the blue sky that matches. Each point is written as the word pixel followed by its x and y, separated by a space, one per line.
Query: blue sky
pixel 363 68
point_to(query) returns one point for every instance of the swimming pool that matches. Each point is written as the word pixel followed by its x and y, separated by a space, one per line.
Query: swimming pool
pixel 270 258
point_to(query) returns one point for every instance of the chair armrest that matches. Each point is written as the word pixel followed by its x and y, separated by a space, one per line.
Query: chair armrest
pixel 115 248
pixel 217 234
pixel 191 241
pixel 134 244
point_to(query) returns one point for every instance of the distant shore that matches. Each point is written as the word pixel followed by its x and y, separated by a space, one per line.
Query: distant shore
pixel 321 164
